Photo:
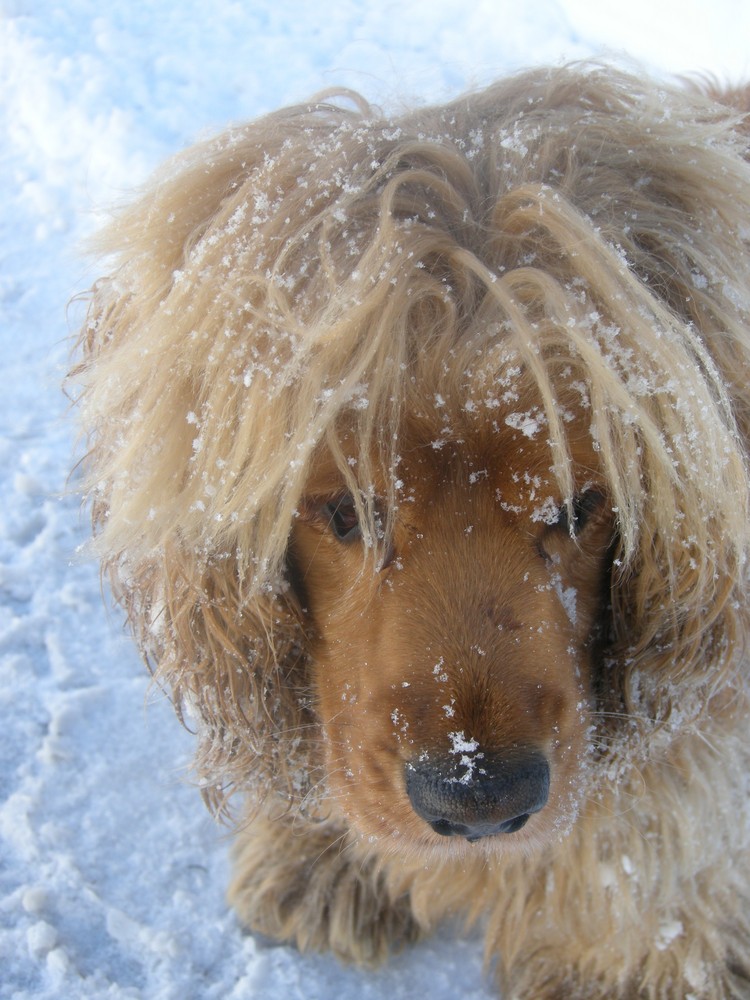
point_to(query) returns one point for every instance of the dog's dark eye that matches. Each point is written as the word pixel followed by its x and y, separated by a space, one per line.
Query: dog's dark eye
pixel 341 514
pixel 583 507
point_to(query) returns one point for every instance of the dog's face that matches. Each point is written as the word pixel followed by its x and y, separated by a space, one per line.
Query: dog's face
pixel 453 671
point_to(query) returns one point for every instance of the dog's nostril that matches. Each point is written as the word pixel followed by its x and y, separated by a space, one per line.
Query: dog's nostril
pixel 497 797
pixel 515 824
pixel 446 829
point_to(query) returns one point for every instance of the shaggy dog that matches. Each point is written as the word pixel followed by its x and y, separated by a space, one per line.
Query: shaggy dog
pixel 418 456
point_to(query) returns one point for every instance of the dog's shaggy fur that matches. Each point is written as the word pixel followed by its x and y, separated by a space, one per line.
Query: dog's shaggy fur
pixel 419 460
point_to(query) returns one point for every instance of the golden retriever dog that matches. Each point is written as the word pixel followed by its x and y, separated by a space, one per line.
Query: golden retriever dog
pixel 418 457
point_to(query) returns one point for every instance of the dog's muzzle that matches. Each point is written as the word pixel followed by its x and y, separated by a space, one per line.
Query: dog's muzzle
pixel 494 793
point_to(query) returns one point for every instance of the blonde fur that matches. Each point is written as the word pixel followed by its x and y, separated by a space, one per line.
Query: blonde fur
pixel 569 246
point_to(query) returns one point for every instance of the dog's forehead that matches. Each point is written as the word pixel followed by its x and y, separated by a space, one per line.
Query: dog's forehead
pixel 506 466
pixel 479 444
pixel 484 430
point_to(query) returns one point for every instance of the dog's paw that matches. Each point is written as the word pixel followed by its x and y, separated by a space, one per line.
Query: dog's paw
pixel 303 884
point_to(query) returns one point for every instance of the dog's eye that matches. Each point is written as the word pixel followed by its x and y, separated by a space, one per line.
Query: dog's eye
pixel 583 507
pixel 341 515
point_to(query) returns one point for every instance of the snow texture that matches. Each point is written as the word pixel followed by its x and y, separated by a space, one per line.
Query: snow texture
pixel 111 874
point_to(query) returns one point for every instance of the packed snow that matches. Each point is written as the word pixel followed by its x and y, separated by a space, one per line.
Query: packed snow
pixel 112 875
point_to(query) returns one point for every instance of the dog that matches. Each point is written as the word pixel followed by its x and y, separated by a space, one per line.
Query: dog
pixel 418 459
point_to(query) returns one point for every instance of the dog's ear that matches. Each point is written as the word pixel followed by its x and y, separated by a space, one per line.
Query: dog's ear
pixel 678 618
pixel 199 438
pixel 235 667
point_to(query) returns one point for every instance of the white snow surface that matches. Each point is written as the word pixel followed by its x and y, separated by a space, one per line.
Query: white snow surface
pixel 112 875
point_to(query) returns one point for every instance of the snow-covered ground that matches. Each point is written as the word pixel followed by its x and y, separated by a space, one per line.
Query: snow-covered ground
pixel 111 874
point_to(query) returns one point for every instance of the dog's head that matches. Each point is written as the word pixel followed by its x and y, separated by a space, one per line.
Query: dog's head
pixel 418 446
pixel 453 658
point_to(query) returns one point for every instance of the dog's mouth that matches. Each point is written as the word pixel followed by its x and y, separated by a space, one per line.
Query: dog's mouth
pixel 480 795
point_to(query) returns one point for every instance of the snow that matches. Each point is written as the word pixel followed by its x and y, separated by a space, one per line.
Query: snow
pixel 111 874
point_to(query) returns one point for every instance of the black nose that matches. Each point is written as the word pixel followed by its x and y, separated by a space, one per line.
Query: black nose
pixel 479 796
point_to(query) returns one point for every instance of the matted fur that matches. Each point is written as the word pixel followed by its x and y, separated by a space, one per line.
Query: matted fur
pixel 483 311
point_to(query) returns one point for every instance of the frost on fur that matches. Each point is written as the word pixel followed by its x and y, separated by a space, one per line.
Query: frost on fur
pixel 418 459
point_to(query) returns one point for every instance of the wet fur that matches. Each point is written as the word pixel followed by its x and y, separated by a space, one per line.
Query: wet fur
pixel 423 443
